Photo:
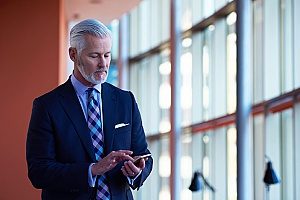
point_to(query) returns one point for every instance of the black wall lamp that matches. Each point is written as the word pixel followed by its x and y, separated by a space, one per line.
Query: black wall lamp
pixel 199 181
pixel 270 177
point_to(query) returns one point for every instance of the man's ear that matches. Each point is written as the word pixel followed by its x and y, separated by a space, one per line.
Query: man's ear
pixel 72 53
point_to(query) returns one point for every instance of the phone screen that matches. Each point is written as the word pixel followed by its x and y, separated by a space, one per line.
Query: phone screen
pixel 140 157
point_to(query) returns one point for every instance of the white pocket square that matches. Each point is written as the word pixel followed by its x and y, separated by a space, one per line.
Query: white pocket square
pixel 120 125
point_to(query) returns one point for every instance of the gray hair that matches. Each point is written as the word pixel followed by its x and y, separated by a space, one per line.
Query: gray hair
pixel 87 27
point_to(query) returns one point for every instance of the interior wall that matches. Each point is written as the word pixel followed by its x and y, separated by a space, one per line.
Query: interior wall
pixel 29 67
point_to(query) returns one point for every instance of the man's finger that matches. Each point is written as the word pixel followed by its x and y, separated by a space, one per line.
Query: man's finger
pixel 120 156
pixel 128 152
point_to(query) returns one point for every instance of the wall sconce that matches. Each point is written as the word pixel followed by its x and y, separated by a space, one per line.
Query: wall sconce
pixel 270 176
pixel 199 181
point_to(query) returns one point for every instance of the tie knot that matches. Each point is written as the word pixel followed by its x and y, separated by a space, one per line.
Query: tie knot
pixel 91 93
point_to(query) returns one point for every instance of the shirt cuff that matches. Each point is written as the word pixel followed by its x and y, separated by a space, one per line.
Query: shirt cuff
pixel 91 178
pixel 131 180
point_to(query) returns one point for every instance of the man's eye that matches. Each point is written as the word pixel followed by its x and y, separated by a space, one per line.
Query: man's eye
pixel 106 55
pixel 93 56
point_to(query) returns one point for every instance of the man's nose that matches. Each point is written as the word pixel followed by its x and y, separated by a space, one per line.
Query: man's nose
pixel 101 62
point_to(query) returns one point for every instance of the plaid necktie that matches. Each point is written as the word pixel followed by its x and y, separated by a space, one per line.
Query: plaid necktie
pixel 94 124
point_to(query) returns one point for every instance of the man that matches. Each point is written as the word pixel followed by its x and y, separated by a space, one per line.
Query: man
pixel 84 135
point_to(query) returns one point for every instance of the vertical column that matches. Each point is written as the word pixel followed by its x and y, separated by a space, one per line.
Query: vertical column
pixel 243 99
pixel 123 52
pixel 175 111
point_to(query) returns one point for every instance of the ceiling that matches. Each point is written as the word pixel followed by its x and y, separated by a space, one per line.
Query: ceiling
pixel 103 10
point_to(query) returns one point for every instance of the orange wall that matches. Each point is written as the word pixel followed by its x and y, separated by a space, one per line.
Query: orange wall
pixel 29 66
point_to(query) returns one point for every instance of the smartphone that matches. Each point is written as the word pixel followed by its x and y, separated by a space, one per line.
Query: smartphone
pixel 137 159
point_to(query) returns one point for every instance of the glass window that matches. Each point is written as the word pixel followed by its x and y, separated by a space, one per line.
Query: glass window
pixel 152 185
pixel 271 48
pixel 287 138
pixel 280 150
pixel 287 46
pixel 186 14
pixel 134 34
pixel 197 78
pixel 208 8
pixel 155 16
pixel 114 27
pixel 218 70
pixel 208 90
pixel 296 42
pixel 273 150
pixel 164 167
pixel 186 166
pixel 231 63
pixel 259 156
pixel 297 150
pixel 186 85
pixel 219 174
pixel 207 162
pixel 231 164
pixel 165 20
pixel 165 92
pixel 197 157
pixel 196 11
pixel 258 80
pixel 219 4
pixel 144 22
pixel 207 58
pixel 133 80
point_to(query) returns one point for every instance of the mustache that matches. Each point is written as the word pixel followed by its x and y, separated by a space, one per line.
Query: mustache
pixel 102 69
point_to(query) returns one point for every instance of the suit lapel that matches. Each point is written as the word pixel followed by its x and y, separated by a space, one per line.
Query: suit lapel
pixel 109 106
pixel 73 109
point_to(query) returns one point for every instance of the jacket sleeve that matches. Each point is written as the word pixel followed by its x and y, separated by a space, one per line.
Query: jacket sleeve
pixel 43 169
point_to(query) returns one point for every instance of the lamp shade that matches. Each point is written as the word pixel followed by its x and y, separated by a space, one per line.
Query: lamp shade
pixel 196 184
pixel 270 175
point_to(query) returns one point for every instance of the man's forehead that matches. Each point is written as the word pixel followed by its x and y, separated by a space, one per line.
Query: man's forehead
pixel 94 41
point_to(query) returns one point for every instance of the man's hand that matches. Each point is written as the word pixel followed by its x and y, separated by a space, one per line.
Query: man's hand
pixel 110 161
pixel 131 169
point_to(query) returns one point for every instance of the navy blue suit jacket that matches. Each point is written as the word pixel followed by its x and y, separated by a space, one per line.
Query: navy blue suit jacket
pixel 59 148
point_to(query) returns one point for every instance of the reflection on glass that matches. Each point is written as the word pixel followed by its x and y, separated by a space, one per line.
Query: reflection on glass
pixel 164 126
pixel 211 27
pixel 164 194
pixel 205 97
pixel 165 68
pixel 288 153
pixel 187 20
pixel 209 6
pixel 186 42
pixel 205 166
pixel 205 61
pixel 164 166
pixel 231 18
pixel 186 167
pixel 206 193
pixel 186 88
pixel 205 79
pixel 232 164
pixel 186 194
pixel 165 95
pixel 231 73
pixel 205 139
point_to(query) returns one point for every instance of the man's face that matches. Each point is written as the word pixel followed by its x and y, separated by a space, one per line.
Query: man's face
pixel 92 65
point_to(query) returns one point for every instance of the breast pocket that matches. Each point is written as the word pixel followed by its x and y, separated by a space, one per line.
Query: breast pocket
pixel 123 129
pixel 122 138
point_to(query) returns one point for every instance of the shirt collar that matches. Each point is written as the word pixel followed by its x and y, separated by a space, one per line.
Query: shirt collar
pixel 80 88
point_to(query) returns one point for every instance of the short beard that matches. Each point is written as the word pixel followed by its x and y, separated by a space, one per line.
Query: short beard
pixel 89 77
